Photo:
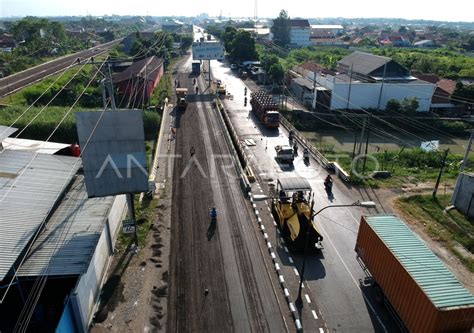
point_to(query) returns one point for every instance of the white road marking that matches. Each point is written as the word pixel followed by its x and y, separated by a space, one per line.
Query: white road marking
pixel 273 255
pixel 353 278
pixel 321 330
pixel 291 260
pixel 269 209
pixel 286 249
pixel 262 227
pixel 307 298
pixel 296 272
pixel 277 267
pixel 281 279
pixel 269 245
pixel 286 292
pixel 278 231
pixel 265 236
pixel 314 314
pixel 292 307
pixel 274 223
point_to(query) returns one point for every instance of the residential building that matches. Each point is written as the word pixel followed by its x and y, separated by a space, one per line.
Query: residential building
pixel 425 43
pixel 7 43
pixel 393 40
pixel 364 80
pixel 138 81
pixel 326 31
pixel 303 89
pixel 444 90
pixel 300 32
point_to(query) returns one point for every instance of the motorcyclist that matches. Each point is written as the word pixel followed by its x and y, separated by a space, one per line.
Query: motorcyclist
pixel 194 81
pixel 213 213
pixel 328 183
pixel 305 153
pixel 245 91
pixel 197 89
pixel 295 149
pixel 290 137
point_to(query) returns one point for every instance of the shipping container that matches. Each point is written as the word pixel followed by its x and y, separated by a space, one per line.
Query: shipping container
pixel 421 289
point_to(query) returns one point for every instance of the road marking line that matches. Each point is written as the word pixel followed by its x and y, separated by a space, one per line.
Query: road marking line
pixel 262 227
pixel 307 298
pixel 278 232
pixel 254 206
pixel 314 314
pixel 321 330
pixel 265 235
pixel 269 245
pixel 353 279
pixel 286 249
pixel 272 254
pixel 277 267
pixel 257 212
pixel 286 292
pixel 281 279
pixel 296 272
pixel 292 307
pixel 274 223
pixel 261 190
pixel 298 325
pixel 269 209
pixel 291 260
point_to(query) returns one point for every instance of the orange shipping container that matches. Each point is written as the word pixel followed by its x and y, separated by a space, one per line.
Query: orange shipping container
pixel 425 294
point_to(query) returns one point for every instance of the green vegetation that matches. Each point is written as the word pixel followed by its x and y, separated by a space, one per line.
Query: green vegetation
pixel 162 91
pixel 406 166
pixel 44 124
pixel 441 62
pixel 281 29
pixel 452 228
pixel 240 45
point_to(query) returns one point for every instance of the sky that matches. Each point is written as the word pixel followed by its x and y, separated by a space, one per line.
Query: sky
pixel 454 10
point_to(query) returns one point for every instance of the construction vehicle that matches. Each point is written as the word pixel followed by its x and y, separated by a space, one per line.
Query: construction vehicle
pixel 181 97
pixel 220 89
pixel 410 280
pixel 265 109
pixel 292 211
pixel 284 154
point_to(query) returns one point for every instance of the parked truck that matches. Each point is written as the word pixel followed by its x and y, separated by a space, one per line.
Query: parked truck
pixel 265 109
pixel 220 88
pixel 410 279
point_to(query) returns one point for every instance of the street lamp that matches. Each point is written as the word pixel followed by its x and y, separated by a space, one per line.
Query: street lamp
pixel 364 204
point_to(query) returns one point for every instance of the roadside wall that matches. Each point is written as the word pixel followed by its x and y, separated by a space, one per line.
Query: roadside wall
pixel 463 196
pixel 87 290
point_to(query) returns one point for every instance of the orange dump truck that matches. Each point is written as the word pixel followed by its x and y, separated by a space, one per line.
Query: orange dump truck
pixel 411 279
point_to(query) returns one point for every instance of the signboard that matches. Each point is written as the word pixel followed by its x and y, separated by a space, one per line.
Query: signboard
pixel 128 226
pixel 430 145
pixel 208 51
pixel 114 158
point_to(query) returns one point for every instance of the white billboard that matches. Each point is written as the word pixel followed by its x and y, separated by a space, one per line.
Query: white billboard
pixel 208 51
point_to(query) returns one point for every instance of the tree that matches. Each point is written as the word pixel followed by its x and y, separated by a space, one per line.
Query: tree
pixel 281 29
pixel 464 93
pixel 276 73
pixel 409 105
pixel 393 106
pixel 243 47
pixel 229 36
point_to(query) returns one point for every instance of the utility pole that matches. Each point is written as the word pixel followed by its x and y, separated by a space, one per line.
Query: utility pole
pixel 366 145
pixel 350 86
pixel 466 154
pixel 360 143
pixel 209 69
pixel 440 172
pixel 381 87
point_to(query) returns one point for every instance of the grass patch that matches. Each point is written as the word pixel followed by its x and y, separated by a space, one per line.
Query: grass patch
pixel 44 124
pixel 406 166
pixel 162 91
pixel 451 229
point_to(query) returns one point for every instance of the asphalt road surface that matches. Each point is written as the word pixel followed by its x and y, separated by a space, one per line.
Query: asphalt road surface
pixel 334 283
pixel 225 258
pixel 17 81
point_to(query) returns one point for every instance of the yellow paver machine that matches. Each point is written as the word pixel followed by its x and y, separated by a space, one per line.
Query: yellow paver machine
pixel 292 208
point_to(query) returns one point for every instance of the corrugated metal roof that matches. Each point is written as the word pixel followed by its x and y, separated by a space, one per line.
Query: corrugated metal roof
pixel 70 237
pixel 26 198
pixel 364 63
pixel 436 280
pixel 6 131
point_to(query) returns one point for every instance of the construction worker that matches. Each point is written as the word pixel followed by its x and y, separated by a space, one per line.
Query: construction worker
pixel 213 213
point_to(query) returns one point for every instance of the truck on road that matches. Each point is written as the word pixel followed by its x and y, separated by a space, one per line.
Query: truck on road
pixel 196 68
pixel 220 88
pixel 265 109
pixel 410 279
pixel 285 154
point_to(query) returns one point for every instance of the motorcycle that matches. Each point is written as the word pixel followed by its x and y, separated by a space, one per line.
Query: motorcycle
pixel 295 149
